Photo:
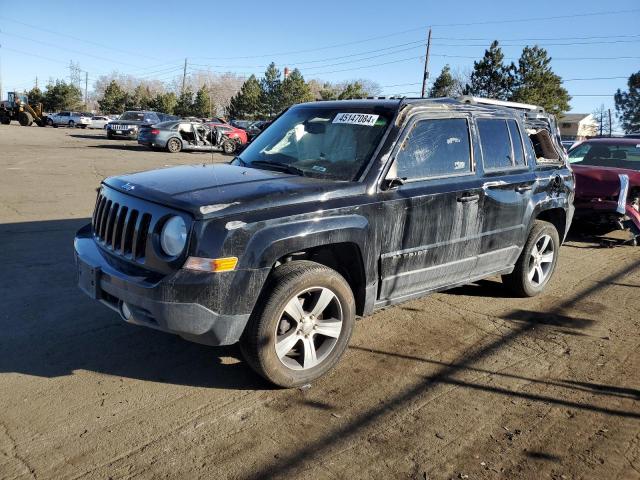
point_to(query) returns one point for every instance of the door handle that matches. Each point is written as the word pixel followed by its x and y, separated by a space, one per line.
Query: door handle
pixel 524 188
pixel 468 198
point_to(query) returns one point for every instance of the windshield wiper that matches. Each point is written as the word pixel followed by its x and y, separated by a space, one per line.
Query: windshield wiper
pixel 278 166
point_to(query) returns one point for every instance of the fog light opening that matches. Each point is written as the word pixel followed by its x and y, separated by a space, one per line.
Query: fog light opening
pixel 125 312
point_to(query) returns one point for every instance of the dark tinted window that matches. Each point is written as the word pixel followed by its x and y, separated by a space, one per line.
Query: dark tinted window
pixel 435 148
pixel 496 146
pixel 516 140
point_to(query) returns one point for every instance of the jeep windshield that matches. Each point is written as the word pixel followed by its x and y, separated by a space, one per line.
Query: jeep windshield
pixel 332 143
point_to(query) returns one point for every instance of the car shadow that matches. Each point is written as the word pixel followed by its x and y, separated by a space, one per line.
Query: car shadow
pixel 51 329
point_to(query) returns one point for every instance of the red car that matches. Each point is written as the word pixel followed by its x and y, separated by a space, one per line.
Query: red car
pixel 232 132
pixel 607 172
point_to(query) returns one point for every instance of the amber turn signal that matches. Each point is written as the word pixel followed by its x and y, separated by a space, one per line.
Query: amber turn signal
pixel 211 264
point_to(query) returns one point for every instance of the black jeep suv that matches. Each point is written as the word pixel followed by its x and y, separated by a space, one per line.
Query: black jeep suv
pixel 129 123
pixel 336 209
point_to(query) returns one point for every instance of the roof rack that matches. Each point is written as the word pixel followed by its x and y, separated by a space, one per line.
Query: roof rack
pixel 499 103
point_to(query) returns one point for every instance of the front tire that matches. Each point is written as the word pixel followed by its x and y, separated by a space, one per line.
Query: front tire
pixel 25 119
pixel 229 147
pixel 537 262
pixel 301 326
pixel 72 124
pixel 174 145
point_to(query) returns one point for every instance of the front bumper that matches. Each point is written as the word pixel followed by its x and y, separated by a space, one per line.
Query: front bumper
pixel 183 303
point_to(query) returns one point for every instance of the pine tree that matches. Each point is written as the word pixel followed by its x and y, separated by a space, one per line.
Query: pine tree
pixel 294 90
pixel 444 85
pixel 271 90
pixel 164 102
pixel 185 102
pixel 200 106
pixel 114 99
pixel 628 105
pixel 140 99
pixel 328 92
pixel 35 95
pixel 490 77
pixel 62 96
pixel 535 82
pixel 353 90
pixel 247 103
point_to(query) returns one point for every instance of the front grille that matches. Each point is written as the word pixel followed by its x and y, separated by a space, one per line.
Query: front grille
pixel 120 227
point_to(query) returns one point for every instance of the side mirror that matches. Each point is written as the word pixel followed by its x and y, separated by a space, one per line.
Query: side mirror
pixel 391 183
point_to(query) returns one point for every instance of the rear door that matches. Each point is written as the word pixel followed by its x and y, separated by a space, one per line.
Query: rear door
pixel 508 184
pixel 432 229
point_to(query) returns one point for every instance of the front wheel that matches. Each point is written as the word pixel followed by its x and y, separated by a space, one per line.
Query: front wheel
pixel 72 124
pixel 537 261
pixel 229 147
pixel 174 145
pixel 49 122
pixel 302 325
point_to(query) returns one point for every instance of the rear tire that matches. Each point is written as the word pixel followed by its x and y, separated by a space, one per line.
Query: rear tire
pixel 109 135
pixel 174 145
pixel 50 122
pixel 5 120
pixel 293 349
pixel 229 147
pixel 537 262
pixel 72 124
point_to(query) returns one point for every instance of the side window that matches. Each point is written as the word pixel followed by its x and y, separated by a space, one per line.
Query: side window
pixel 435 148
pixel 496 145
pixel 516 141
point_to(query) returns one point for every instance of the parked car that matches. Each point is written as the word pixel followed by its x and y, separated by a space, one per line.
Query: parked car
pixel 607 172
pixel 70 119
pixel 175 136
pixel 339 208
pixel 230 131
pixel 99 121
pixel 128 124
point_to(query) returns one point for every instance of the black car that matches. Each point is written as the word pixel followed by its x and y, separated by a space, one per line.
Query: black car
pixel 337 209
pixel 129 123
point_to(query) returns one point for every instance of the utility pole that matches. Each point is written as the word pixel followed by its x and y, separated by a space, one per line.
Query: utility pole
pixel 86 90
pixel 601 119
pixel 426 65
pixel 184 75
pixel 36 82
pixel 610 126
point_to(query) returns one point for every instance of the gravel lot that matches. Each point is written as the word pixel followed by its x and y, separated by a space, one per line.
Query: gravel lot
pixel 464 384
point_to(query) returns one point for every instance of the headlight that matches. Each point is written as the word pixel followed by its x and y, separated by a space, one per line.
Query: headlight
pixel 173 237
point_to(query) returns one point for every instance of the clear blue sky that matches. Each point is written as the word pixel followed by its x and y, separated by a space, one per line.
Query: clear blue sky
pixel 152 39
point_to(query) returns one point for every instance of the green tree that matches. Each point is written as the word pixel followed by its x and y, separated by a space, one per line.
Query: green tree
pixel 329 92
pixel 628 105
pixel 140 99
pixel 62 96
pixel 200 107
pixel 294 90
pixel 164 102
pixel 247 103
pixel 271 90
pixel 114 99
pixel 535 82
pixel 184 105
pixel 444 85
pixel 353 90
pixel 490 77
pixel 35 95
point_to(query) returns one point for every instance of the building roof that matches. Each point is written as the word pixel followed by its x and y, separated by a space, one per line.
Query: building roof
pixel 574 117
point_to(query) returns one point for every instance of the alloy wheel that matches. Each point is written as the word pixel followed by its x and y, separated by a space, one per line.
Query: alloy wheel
pixel 309 328
pixel 541 260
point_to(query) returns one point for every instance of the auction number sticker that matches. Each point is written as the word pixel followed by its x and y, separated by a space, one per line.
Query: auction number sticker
pixel 356 119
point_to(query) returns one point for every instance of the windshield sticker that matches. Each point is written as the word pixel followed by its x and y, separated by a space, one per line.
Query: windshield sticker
pixel 356 119
pixel 451 140
pixel 459 165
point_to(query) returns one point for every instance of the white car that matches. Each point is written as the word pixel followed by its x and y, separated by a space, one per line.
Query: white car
pixel 99 121
pixel 70 119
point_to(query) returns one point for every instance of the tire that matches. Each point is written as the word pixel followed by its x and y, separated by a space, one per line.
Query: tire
pixel 537 262
pixel 50 122
pixel 83 126
pixel 109 135
pixel 72 124
pixel 25 119
pixel 229 147
pixel 278 345
pixel 5 120
pixel 174 145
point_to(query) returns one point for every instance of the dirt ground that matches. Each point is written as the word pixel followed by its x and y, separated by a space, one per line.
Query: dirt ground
pixel 469 383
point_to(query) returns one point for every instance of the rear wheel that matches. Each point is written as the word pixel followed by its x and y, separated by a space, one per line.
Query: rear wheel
pixel 537 261
pixel 5 119
pixel 83 126
pixel 302 325
pixel 229 146
pixel 72 124
pixel 25 119
pixel 174 145
pixel 49 122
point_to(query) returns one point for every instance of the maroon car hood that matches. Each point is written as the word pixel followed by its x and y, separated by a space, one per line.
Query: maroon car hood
pixel 601 182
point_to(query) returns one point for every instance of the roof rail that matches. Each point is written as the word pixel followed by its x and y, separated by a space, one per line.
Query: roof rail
pixel 499 103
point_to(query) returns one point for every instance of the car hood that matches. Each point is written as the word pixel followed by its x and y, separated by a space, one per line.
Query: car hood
pixel 601 181
pixel 219 190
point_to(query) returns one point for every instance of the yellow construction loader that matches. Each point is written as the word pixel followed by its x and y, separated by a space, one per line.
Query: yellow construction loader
pixel 17 107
